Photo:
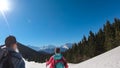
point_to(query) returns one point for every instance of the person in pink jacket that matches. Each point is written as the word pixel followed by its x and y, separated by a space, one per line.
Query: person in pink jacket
pixel 57 60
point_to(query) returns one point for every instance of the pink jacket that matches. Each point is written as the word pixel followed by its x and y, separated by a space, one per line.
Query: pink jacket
pixel 52 63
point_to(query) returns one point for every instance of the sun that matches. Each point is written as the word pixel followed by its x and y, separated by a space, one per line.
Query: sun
pixel 4 5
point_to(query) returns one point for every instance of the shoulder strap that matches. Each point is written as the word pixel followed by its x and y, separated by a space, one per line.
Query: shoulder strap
pixel 62 60
pixel 57 61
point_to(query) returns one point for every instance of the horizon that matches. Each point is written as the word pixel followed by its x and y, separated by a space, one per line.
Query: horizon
pixel 42 23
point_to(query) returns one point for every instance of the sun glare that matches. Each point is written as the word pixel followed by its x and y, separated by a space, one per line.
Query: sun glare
pixel 4 5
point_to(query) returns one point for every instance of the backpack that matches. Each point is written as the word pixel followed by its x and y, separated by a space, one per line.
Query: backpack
pixel 59 63
pixel 5 61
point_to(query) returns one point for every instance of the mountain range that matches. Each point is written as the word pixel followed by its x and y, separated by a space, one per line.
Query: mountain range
pixel 50 48
pixel 39 54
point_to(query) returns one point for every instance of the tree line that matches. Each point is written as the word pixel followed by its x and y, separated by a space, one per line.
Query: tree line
pixel 105 39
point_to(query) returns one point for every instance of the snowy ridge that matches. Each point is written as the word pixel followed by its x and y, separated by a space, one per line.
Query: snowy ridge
pixel 110 59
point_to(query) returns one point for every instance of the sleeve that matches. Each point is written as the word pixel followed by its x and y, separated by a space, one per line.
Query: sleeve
pixel 17 61
pixel 50 60
pixel 22 64
pixel 65 63
pixel 1 53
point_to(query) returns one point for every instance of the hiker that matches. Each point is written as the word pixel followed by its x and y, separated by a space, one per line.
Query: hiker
pixel 57 60
pixel 9 58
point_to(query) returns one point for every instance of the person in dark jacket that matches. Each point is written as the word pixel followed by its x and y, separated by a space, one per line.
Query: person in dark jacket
pixel 9 58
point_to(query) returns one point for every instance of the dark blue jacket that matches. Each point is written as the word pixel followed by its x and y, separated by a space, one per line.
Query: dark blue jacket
pixel 16 58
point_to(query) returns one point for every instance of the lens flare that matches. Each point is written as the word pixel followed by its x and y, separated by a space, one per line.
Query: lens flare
pixel 4 5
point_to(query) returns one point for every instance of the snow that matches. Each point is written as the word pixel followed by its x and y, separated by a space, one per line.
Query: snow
pixel 35 65
pixel 110 59
pixel 65 47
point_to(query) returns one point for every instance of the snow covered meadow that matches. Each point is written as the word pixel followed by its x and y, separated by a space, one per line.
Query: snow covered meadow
pixel 110 59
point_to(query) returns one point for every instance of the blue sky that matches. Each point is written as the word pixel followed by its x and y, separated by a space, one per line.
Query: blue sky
pixel 56 22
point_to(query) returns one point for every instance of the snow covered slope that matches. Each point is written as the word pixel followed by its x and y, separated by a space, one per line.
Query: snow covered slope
pixel 110 59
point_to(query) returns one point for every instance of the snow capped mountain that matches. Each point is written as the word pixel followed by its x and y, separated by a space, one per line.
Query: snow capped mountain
pixel 110 59
pixel 67 46
pixel 47 47
pixel 50 48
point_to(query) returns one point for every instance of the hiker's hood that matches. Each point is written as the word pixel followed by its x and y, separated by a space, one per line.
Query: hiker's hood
pixel 57 56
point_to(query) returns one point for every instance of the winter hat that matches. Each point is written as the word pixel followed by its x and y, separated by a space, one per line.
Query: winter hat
pixel 57 50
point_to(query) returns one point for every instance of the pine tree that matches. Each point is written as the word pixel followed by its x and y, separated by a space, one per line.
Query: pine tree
pixel 100 40
pixel 117 32
pixel 104 40
pixel 91 43
pixel 109 36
